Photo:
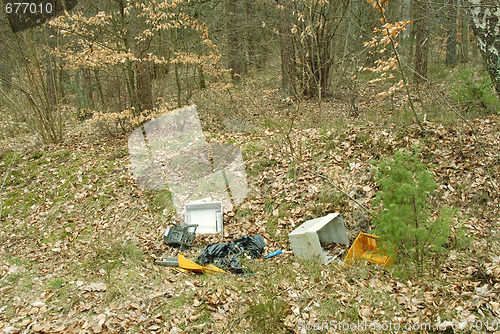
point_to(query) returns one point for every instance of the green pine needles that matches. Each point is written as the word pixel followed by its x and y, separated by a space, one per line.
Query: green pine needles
pixel 405 224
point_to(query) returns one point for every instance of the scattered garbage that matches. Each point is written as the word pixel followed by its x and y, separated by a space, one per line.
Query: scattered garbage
pixel 365 247
pixel 307 238
pixel 205 213
pixel 168 262
pixel 179 235
pixel 227 255
pixel 190 265
pixel 278 252
pixel 185 265
pixel 337 255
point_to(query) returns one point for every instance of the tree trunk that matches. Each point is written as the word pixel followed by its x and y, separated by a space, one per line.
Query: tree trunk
pixel 144 86
pixel 463 53
pixel 51 69
pixel 6 75
pixel 287 50
pixel 85 91
pixel 144 81
pixel 99 87
pixel 5 66
pixel 413 31
pixel 129 70
pixel 485 19
pixel 451 40
pixel 371 22
pixel 422 40
pixel 251 37
pixel 178 83
pixel 53 121
pixel 237 61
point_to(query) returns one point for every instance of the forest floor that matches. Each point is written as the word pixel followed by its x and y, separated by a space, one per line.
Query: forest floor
pixel 79 239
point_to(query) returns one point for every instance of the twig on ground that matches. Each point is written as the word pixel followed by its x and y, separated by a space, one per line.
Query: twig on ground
pixel 327 179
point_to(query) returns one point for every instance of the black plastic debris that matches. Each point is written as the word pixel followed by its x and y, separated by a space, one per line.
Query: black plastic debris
pixel 226 255
pixel 178 235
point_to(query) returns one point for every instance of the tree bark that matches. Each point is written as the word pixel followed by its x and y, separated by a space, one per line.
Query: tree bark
pixel 413 32
pixel 422 40
pixel 287 51
pixel 144 82
pixel 485 20
pixel 463 53
pixel 6 74
pixel 237 60
pixel 371 21
pixel 51 69
pixel 129 70
pixel 451 40
pixel 85 91
pixel 250 35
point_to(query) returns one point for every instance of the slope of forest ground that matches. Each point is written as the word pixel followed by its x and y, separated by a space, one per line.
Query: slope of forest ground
pixel 79 239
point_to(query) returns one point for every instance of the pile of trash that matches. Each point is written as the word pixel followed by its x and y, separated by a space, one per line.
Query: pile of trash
pixel 227 255
pixel 220 257
pixel 322 239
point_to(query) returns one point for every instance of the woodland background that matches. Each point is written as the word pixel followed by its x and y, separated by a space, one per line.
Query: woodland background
pixel 312 91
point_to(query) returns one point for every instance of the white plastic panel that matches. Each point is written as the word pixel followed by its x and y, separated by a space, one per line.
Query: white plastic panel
pixel 207 215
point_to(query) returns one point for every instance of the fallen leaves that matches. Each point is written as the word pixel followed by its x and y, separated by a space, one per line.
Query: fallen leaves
pixel 95 287
pixel 48 327
pixel 70 261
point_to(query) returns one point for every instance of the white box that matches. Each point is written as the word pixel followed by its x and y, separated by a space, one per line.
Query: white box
pixel 207 215
pixel 306 239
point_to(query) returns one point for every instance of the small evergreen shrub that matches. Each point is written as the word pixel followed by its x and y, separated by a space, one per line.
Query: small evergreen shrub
pixel 404 223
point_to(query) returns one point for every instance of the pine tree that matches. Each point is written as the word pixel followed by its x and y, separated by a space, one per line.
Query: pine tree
pixel 404 222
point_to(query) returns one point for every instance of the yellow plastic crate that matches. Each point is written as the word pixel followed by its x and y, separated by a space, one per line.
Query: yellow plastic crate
pixel 365 247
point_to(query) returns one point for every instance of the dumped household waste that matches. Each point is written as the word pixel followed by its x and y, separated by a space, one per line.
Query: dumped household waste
pixel 205 213
pixel 278 252
pixel 168 262
pixel 190 265
pixel 365 247
pixel 187 265
pixel 306 239
pixel 227 255
pixel 180 235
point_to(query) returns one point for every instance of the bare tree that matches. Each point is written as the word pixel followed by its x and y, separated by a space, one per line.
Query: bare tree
pixel 144 77
pixel 311 27
pixel 237 59
pixel 451 38
pixel 485 19
pixel 422 39
pixel 464 41
pixel 287 49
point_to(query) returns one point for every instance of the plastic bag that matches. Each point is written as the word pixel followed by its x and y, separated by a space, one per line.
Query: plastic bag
pixel 226 255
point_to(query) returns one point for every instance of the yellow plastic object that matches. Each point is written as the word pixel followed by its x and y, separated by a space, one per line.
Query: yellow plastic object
pixel 190 265
pixel 365 247
pixel 182 271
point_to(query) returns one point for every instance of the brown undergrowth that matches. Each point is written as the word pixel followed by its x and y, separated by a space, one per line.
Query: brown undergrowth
pixel 79 239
